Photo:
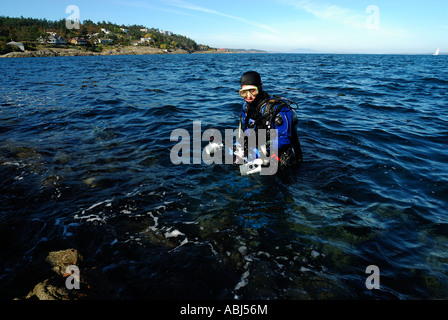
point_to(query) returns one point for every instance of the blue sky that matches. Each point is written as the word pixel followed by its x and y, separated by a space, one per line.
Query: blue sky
pixel 352 26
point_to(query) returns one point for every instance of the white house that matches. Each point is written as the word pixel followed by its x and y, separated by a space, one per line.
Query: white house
pixel 79 41
pixel 104 41
pixel 143 41
pixel 56 40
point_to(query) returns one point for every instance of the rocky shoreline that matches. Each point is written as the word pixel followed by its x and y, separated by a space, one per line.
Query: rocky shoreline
pixel 62 52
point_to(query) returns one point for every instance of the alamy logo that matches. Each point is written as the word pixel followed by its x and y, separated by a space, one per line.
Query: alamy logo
pixel 373 20
pixel 373 281
pixel 266 162
pixel 73 279
pixel 72 21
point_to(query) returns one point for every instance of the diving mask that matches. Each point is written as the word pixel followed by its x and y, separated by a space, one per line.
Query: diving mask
pixel 253 90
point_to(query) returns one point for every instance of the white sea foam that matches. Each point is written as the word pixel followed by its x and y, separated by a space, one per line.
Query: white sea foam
pixel 243 281
pixel 174 233
pixel 98 204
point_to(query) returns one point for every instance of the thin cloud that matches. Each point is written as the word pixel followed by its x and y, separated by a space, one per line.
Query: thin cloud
pixel 145 5
pixel 329 12
pixel 350 18
pixel 189 6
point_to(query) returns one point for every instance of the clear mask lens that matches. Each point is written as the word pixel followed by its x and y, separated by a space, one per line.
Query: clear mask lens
pixel 253 90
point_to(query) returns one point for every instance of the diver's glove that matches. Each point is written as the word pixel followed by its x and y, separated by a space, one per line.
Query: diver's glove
pixel 213 147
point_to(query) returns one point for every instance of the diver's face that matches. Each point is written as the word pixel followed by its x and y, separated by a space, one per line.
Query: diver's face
pixel 249 93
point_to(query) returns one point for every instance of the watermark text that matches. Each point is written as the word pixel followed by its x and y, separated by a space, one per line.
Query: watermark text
pixel 373 280
pixel 73 278
pixel 261 146
pixel 73 20
pixel 373 20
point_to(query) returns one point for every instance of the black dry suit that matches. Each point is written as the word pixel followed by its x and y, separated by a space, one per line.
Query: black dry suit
pixel 267 112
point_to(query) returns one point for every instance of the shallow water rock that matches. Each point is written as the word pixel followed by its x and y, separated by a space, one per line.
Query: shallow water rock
pixel 60 260
pixel 93 284
pixel 50 289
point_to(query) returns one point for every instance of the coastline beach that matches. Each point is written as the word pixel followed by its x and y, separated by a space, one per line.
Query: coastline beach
pixel 113 51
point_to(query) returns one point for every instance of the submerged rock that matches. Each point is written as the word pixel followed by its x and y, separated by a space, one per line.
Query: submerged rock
pixel 50 289
pixel 92 283
pixel 60 260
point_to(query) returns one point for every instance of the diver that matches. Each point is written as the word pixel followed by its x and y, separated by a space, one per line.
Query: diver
pixel 261 111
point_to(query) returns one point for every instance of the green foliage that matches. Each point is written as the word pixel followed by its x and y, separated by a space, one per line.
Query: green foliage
pixel 27 30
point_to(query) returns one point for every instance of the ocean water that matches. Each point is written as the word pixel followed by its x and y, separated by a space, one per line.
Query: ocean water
pixel 85 163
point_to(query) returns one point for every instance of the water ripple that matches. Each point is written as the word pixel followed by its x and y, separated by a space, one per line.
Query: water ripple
pixel 85 163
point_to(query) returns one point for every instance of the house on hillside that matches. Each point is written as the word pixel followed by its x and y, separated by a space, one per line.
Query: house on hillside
pixel 104 41
pixel 42 39
pixel 57 40
pixel 79 41
pixel 53 39
pixel 143 41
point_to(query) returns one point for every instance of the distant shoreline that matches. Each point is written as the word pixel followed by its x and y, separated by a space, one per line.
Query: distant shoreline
pixel 63 52
pixel 134 50
pixel 112 51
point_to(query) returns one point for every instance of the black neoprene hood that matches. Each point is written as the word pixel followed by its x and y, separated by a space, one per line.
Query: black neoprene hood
pixel 251 78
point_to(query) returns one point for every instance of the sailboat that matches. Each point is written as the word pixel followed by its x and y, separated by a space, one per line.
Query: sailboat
pixel 436 53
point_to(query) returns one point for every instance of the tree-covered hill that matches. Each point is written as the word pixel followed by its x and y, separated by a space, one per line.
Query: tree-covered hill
pixel 28 30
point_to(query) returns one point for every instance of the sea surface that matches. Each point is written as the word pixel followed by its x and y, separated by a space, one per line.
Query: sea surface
pixel 85 164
